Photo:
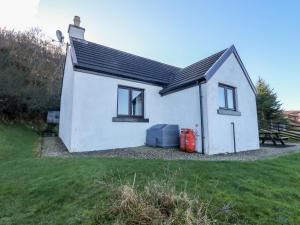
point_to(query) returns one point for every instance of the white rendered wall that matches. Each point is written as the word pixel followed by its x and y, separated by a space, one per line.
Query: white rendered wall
pixel 183 108
pixel 89 102
pixel 205 117
pixel 66 104
pixel 94 106
pixel 76 32
pixel 219 128
pixel 95 103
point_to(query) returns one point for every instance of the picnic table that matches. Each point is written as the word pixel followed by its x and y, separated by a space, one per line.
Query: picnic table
pixel 266 135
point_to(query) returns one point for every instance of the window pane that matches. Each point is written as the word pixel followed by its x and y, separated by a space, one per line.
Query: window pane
pixel 230 98
pixel 137 103
pixel 222 97
pixel 123 98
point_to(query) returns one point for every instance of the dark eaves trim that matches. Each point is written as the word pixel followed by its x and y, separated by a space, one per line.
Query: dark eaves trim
pixel 64 67
pixel 244 70
pixel 212 71
pixel 113 74
pixel 181 87
pixel 222 59
pixel 73 54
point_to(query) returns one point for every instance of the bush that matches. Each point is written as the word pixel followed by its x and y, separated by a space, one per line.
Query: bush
pixel 31 71
pixel 158 203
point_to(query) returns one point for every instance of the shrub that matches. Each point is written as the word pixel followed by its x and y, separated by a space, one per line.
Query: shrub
pixel 31 70
pixel 158 203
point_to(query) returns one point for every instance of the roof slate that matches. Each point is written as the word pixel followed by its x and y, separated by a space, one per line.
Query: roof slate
pixel 193 72
pixel 99 58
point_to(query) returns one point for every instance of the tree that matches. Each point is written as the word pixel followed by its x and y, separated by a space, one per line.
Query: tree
pixel 268 106
pixel 31 70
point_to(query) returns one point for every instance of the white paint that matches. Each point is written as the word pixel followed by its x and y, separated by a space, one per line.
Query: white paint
pixel 76 32
pixel 66 104
pixel 205 101
pixel 89 102
pixel 219 128
pixel 94 106
pixel 183 108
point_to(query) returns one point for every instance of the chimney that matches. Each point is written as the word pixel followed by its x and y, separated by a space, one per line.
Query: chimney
pixel 75 30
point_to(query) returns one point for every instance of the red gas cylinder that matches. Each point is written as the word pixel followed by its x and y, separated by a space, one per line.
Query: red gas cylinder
pixel 182 139
pixel 187 140
pixel 190 141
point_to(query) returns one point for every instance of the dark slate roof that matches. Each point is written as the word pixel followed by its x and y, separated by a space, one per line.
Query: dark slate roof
pixel 193 72
pixel 99 58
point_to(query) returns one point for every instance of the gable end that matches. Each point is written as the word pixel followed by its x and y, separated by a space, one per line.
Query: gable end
pixel 222 59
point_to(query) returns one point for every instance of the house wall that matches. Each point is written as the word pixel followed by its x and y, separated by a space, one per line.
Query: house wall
pixel 183 108
pixel 66 104
pixel 89 102
pixel 95 104
pixel 205 101
pixel 219 128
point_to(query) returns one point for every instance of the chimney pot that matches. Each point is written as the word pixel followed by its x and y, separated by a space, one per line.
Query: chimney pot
pixel 77 21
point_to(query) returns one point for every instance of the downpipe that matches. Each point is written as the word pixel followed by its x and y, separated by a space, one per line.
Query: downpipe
pixel 233 133
pixel 201 119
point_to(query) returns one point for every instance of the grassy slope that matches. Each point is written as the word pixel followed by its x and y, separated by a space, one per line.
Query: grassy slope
pixel 65 190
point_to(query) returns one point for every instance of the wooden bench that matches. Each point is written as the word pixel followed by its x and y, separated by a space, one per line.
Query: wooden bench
pixel 266 135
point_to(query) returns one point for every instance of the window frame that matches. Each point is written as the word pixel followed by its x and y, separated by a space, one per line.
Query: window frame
pixel 130 89
pixel 233 89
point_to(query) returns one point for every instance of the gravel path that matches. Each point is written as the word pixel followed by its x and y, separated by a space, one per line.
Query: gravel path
pixel 53 146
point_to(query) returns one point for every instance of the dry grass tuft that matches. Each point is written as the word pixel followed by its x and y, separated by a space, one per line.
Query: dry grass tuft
pixel 155 204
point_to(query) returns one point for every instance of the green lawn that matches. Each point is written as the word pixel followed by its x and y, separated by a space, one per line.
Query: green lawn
pixel 66 190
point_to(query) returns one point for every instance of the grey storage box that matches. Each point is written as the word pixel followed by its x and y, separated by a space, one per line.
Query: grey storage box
pixel 53 117
pixel 163 135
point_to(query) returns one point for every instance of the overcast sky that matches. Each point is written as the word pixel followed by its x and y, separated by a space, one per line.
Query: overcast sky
pixel 265 33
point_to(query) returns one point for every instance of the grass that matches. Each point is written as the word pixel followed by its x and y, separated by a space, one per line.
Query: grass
pixel 157 203
pixel 37 190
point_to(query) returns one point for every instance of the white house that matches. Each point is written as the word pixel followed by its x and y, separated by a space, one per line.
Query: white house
pixel 110 98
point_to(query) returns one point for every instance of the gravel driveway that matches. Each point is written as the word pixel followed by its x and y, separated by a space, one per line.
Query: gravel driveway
pixel 53 146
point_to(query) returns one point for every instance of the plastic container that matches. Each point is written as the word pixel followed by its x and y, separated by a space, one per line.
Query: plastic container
pixel 187 140
pixel 163 135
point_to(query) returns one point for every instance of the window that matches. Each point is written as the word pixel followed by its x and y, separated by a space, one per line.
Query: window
pixel 123 107
pixel 222 101
pixel 130 102
pixel 137 103
pixel 227 97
